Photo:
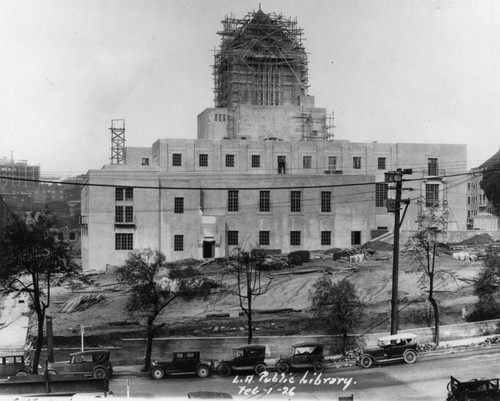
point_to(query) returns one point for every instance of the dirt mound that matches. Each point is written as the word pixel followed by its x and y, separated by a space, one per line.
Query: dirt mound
pixel 480 239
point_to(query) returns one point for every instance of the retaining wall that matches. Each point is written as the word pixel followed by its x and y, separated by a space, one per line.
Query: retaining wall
pixel 132 351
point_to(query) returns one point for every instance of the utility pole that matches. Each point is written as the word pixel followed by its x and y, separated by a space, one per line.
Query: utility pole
pixel 394 206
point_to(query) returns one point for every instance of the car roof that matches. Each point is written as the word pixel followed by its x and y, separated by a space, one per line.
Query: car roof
pixel 92 352
pixel 307 344
pixel 251 346
pixel 398 336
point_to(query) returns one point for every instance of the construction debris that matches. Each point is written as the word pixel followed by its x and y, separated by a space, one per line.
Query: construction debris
pixel 81 303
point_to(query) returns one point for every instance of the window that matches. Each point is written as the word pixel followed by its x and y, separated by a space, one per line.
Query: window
pixel 281 164
pixel 72 236
pixel 119 214
pixel 326 237
pixel 124 242
pixel 178 242
pixel 295 238
pixel 145 161
pixel 255 161
pixel 381 163
pixel 356 162
pixel 124 194
pixel 264 238
pixel 264 201
pixel 468 200
pixel 203 160
pixel 355 237
pixel 306 161
pixel 468 186
pixel 178 205
pixel 326 201
pixel 381 194
pixel 332 163
pixel 232 237
pixel 295 202
pixel 129 214
pixel 432 166
pixel 229 160
pixel 431 195
pixel 232 201
pixel 176 159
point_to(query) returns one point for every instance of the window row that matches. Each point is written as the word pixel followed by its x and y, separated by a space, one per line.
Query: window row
pixel 255 162
pixel 295 238
pixel 265 201
pixel 126 241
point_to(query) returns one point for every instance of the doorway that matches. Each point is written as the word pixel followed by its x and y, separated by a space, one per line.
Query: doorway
pixel 208 249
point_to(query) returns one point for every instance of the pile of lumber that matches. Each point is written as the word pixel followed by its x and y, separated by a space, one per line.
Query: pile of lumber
pixel 81 303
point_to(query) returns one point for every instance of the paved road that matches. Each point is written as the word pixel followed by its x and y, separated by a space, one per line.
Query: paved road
pixel 425 380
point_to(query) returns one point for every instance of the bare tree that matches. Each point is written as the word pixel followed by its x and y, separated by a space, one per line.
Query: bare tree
pixel 153 286
pixel 246 268
pixel 33 259
pixel 424 246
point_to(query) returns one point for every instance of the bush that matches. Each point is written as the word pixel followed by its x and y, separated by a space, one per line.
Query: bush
pixel 297 258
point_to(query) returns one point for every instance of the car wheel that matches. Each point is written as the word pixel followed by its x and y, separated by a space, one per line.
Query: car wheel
pixel 157 373
pixel 410 356
pixel 260 368
pixel 99 373
pixel 282 367
pixel 51 372
pixel 224 370
pixel 366 361
pixel 318 366
pixel 21 373
pixel 202 371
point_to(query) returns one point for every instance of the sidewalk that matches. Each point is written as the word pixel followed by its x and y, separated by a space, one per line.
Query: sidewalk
pixel 13 324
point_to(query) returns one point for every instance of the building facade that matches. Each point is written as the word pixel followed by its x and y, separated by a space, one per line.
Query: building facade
pixel 264 171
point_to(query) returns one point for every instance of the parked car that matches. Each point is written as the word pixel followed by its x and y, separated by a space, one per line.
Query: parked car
pixel 245 358
pixel 13 365
pixel 187 362
pixel 397 347
pixel 93 363
pixel 307 355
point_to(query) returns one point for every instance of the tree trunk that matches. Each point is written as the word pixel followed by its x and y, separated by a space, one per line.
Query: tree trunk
pixel 436 319
pixel 249 316
pixel 40 314
pixel 344 342
pixel 149 347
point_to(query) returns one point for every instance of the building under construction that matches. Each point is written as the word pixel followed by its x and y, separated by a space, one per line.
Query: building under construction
pixel 263 171
pixel 261 61
pixel 261 74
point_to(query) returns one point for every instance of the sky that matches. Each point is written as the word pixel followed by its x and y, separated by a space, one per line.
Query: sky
pixel 425 71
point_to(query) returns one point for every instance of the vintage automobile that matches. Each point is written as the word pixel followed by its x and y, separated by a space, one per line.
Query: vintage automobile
pixel 13 365
pixel 245 358
pixel 93 363
pixel 482 389
pixel 393 348
pixel 307 355
pixel 182 363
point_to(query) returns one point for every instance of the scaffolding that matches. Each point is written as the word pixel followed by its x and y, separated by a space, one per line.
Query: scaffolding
pixel 117 141
pixel 261 61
